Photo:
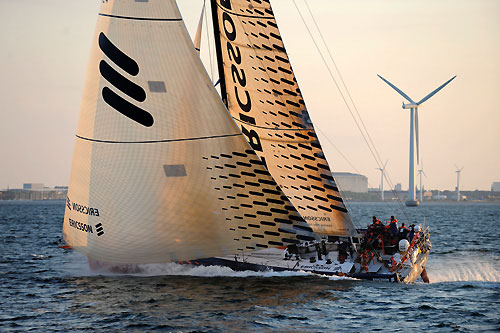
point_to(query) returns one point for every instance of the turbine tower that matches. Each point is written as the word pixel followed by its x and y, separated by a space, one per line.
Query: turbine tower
pixel 382 170
pixel 420 172
pixel 413 106
pixel 458 181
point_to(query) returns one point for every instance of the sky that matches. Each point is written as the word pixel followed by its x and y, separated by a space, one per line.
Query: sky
pixel 417 45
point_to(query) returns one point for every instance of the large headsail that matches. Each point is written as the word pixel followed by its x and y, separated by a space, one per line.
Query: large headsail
pixel 160 171
pixel 261 92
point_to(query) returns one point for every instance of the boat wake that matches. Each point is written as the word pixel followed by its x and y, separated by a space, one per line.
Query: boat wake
pixel 204 271
pixel 174 269
pixel 80 265
pixel 462 269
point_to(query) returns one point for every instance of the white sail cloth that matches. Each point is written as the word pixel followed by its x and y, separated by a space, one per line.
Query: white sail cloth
pixel 263 97
pixel 160 171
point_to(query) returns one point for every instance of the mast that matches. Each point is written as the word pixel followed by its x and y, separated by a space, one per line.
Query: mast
pixel 218 52
pixel 197 38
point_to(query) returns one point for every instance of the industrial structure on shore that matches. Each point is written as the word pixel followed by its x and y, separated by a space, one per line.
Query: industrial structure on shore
pixel 353 185
pixel 35 191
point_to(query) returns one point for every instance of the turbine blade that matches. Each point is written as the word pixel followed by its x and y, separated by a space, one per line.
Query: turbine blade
pixel 416 135
pixel 397 89
pixel 435 91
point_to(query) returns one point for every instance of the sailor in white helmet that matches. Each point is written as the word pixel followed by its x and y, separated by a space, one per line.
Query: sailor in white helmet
pixel 403 247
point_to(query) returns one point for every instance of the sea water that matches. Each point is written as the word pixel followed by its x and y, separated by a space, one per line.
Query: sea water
pixel 45 288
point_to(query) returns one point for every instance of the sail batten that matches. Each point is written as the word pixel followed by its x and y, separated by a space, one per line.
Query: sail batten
pixel 264 99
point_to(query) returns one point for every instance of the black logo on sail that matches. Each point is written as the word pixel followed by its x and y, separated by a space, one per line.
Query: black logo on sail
pixel 99 229
pixel 122 83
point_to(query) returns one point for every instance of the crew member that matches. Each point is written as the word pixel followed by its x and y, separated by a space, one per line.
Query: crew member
pixel 403 231
pixel 412 233
pixel 376 221
pixel 398 256
pixel 393 226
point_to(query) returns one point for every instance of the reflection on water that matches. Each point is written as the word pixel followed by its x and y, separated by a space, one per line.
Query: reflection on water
pixel 176 300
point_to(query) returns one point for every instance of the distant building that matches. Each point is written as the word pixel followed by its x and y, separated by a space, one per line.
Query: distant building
pixel 427 195
pixel 35 191
pixel 398 187
pixel 33 186
pixel 439 196
pixel 351 182
pixel 495 187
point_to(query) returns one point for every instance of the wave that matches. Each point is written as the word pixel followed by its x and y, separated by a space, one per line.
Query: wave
pixel 206 271
pixel 81 267
pixel 463 269
pixel 175 269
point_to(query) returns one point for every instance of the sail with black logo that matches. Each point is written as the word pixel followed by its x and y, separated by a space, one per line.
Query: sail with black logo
pixel 260 90
pixel 164 172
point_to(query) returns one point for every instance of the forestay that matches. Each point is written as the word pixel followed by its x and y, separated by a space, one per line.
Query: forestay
pixel 262 95
pixel 160 171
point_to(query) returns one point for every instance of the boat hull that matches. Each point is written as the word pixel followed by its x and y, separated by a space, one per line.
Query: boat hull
pixel 416 269
pixel 409 274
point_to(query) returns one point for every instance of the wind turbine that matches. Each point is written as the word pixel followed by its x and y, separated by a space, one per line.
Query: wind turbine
pixel 382 170
pixel 458 181
pixel 420 172
pixel 413 106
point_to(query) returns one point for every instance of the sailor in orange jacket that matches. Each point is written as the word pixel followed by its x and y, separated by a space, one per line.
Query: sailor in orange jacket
pixel 393 226
pixel 403 231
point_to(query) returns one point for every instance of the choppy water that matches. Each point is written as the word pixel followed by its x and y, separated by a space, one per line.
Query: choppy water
pixel 46 288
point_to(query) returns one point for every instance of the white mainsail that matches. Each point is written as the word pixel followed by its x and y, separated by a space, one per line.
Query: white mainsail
pixel 160 170
pixel 262 94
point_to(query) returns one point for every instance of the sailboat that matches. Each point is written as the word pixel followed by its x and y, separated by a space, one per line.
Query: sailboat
pixel 167 170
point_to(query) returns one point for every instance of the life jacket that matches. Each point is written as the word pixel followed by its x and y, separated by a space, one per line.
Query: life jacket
pixel 381 243
pixel 366 257
pixel 392 221
pixel 393 226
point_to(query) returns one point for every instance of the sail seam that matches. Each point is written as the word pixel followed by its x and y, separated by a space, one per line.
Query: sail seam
pixel 161 141
pixel 243 15
pixel 141 18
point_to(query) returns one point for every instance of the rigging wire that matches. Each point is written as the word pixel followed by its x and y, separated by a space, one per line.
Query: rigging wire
pixel 247 34
pixel 379 161
pixel 386 175
pixel 362 128
pixel 208 42
pixel 336 148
